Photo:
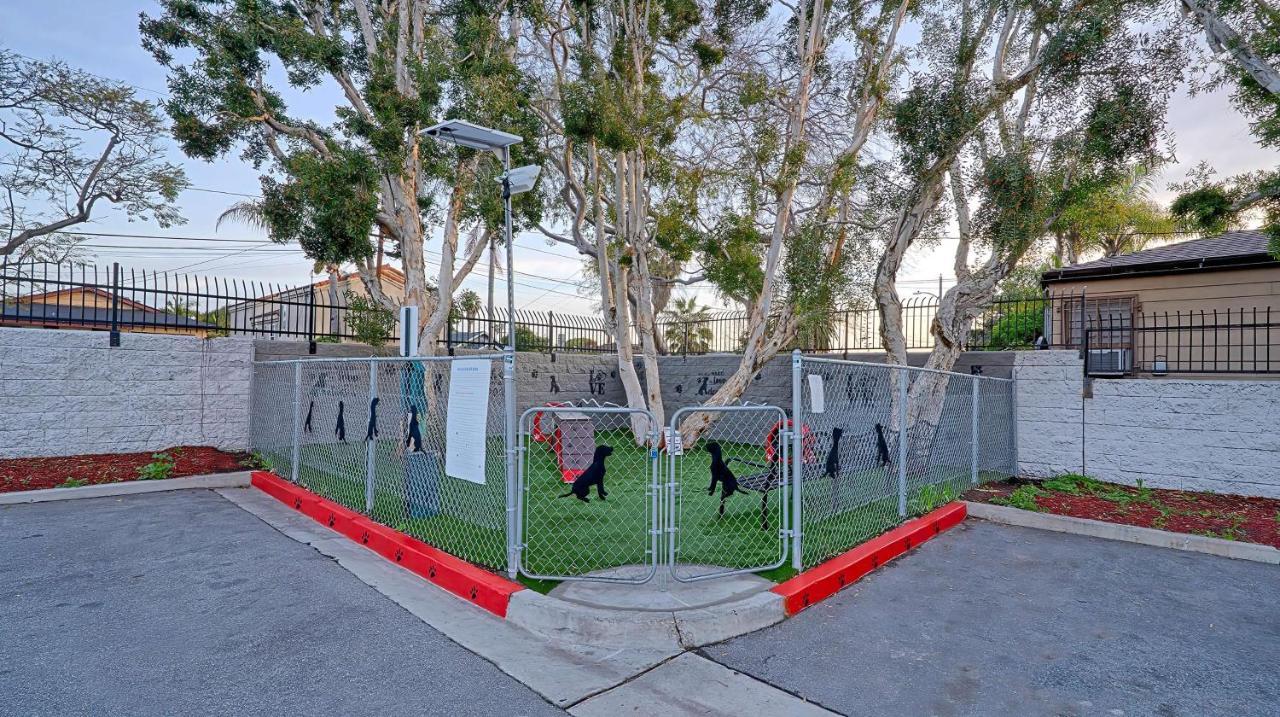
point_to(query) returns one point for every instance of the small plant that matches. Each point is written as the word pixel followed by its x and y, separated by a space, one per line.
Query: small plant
pixel 71 482
pixel 1023 498
pixel 370 322
pixel 160 467
pixel 258 462
pixel 933 496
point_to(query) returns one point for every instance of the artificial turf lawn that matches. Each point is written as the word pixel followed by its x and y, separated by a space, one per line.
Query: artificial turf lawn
pixel 564 536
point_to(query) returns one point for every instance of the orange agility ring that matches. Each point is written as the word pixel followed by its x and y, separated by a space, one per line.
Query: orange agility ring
pixel 807 441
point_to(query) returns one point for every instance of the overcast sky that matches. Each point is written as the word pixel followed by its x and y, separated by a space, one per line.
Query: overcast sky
pixel 102 37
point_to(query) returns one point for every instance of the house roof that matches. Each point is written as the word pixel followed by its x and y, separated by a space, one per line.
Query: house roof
pixel 61 314
pixel 1231 250
pixel 66 295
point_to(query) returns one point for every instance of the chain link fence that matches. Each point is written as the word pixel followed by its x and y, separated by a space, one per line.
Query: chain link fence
pixel 885 443
pixel 371 435
pixel 864 447
pixel 588 491
pixel 728 493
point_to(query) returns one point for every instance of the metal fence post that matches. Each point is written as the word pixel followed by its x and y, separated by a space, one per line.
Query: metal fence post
pixel 297 422
pixel 114 338
pixel 509 426
pixel 370 445
pixel 973 429
pixel 904 378
pixel 797 459
pixel 1013 419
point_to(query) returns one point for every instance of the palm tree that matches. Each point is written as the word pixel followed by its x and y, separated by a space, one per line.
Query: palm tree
pixel 688 329
pixel 1119 219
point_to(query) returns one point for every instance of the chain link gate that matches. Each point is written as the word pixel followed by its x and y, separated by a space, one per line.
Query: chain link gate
pixel 604 532
pixel 715 527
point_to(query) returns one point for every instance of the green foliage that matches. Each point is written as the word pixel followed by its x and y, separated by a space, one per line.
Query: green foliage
pixel 260 461
pixel 529 340
pixel 687 330
pixel 1023 498
pixel 467 304
pixel 71 482
pixel 160 467
pixel 581 343
pixel 326 205
pixel 934 495
pixel 1017 327
pixel 370 322
pixel 1074 484
pixel 329 173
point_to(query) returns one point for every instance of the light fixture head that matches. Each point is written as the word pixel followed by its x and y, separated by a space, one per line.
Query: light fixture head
pixel 466 134
pixel 523 178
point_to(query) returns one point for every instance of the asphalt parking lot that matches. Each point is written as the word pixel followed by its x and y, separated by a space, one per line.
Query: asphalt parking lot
pixel 998 620
pixel 182 603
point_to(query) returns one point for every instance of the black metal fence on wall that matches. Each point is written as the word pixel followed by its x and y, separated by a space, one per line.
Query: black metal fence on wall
pixel 1122 339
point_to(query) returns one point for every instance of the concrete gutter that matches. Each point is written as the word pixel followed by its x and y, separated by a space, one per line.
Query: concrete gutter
pixel 239 479
pixel 1126 533
pixel 662 631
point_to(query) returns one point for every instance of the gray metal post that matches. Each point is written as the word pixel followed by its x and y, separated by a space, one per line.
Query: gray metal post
pixel 797 459
pixel 511 282
pixel 904 377
pixel 973 430
pixel 1013 418
pixel 509 396
pixel 297 422
pixel 369 445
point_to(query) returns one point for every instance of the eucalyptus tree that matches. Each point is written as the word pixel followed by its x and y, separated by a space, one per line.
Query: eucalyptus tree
pixel 70 144
pixel 711 141
pixel 331 180
pixel 1244 39
pixel 1015 112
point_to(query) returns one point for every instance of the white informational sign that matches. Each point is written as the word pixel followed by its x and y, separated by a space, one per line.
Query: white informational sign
pixel 467 419
pixel 817 395
pixel 674 441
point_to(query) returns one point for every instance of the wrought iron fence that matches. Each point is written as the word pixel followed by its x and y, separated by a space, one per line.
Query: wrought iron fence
pixel 1230 341
pixel 885 443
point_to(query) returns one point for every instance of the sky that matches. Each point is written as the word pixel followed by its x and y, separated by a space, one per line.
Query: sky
pixel 102 37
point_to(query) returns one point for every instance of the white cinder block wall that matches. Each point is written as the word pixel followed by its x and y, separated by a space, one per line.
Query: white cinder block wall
pixel 1220 435
pixel 69 392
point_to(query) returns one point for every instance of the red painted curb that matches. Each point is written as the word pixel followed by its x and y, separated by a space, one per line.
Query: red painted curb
pixel 456 575
pixel 825 580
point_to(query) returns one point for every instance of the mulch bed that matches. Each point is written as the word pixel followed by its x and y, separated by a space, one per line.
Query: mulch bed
pixel 35 473
pixel 1234 517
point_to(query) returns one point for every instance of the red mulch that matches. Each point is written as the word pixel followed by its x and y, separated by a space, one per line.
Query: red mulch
pixel 34 473
pixel 1248 519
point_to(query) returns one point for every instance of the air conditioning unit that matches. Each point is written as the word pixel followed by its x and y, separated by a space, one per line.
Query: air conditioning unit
pixel 1110 362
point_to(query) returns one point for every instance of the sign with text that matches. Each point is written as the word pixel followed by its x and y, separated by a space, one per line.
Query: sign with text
pixel 466 429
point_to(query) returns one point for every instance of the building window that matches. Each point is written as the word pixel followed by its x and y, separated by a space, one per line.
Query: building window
pixel 1109 319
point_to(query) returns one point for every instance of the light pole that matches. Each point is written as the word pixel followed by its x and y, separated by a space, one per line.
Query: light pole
pixel 514 181
pixel 517 181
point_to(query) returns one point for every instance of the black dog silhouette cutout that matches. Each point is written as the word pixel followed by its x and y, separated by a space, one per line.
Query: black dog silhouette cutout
pixel 882 446
pixel 415 431
pixel 721 474
pixel 592 476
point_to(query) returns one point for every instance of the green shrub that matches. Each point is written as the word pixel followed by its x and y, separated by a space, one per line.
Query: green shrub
pixel 160 467
pixel 370 322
